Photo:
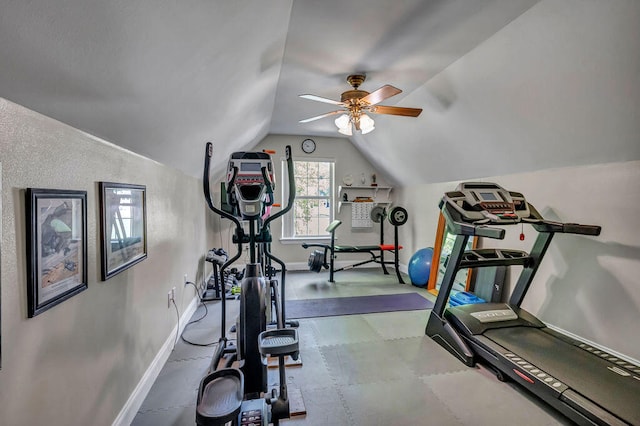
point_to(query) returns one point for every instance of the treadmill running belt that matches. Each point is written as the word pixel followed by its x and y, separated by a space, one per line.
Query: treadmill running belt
pixel 584 372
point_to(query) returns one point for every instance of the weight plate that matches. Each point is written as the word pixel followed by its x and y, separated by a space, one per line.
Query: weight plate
pixel 316 260
pixel 377 214
pixel 398 216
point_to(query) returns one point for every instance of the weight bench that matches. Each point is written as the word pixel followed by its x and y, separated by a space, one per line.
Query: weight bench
pixel 318 259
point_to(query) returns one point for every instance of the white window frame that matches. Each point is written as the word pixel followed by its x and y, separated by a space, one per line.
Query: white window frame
pixel 288 227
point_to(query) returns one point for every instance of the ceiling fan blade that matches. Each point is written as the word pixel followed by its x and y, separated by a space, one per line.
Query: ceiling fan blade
pixel 321 99
pixel 381 94
pixel 318 117
pixel 394 110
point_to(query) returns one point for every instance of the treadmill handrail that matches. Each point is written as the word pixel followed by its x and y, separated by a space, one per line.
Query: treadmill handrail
pixel 479 258
pixel 458 226
pixel 566 228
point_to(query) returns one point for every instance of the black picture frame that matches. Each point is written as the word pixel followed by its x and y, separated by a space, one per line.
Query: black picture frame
pixel 56 222
pixel 123 226
pixel 0 267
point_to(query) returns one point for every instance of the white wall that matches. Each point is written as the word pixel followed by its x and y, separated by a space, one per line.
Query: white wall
pixel 556 87
pixel 78 362
pixel 585 285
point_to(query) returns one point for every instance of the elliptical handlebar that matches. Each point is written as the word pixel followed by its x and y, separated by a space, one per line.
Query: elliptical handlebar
pixel 207 196
pixel 292 192
pixel 232 181
pixel 208 153
pixel 268 186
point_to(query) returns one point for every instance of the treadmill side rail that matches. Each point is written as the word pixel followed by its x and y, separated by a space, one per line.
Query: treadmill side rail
pixel 592 411
pixel 442 332
pixel 576 407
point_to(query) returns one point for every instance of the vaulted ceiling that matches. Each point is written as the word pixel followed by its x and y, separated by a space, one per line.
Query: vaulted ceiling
pixel 506 85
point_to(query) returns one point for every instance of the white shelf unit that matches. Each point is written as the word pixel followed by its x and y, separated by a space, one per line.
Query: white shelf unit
pixel 379 194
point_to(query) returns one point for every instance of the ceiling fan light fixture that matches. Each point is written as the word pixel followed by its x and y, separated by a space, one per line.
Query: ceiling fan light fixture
pixel 343 121
pixel 366 124
pixel 346 131
pixel 344 125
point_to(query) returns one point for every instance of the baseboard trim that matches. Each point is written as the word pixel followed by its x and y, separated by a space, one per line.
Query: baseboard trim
pixel 133 404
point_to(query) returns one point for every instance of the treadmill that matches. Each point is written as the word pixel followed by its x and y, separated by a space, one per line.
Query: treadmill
pixel 585 383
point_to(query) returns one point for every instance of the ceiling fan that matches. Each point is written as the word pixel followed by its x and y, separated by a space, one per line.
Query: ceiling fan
pixel 356 103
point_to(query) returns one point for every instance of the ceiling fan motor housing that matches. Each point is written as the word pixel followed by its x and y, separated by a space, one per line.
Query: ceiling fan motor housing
pixel 350 96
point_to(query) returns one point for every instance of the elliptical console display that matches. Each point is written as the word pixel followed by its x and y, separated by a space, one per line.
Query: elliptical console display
pixel 250 182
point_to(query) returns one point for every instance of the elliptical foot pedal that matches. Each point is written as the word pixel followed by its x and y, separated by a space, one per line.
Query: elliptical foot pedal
pixel 280 342
pixel 220 397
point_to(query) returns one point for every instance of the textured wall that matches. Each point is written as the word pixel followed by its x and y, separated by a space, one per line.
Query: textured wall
pixel 77 363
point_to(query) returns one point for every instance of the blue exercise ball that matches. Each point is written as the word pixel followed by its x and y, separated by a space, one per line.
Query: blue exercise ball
pixel 420 266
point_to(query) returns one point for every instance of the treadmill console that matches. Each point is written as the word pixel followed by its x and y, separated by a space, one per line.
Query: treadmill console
pixel 484 202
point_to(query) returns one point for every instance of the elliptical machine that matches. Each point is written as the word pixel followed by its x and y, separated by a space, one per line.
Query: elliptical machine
pixel 229 394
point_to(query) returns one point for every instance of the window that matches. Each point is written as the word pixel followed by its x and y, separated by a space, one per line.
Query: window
pixel 312 211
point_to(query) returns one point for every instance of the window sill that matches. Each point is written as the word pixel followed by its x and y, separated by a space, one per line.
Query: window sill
pixel 310 240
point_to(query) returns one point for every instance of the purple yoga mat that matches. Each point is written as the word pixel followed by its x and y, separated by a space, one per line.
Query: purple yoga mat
pixel 312 308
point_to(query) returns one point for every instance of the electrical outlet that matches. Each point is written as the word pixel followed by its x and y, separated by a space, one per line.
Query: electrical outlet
pixel 171 297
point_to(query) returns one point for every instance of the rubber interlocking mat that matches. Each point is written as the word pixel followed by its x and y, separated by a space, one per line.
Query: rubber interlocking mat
pixel 313 308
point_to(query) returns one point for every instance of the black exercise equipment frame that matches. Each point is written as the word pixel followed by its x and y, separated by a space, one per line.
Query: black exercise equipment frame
pixel 518 346
pixel 331 250
pixel 255 342
pixel 215 283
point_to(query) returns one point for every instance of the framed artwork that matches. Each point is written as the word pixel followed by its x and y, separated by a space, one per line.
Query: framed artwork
pixel 56 221
pixel 441 252
pixel 123 226
pixel 0 268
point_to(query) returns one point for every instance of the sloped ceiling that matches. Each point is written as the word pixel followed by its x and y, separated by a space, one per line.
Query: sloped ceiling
pixel 506 85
